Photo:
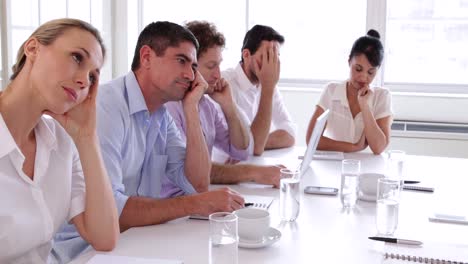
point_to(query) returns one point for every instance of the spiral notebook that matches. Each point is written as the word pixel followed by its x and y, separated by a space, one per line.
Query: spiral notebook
pixel 428 253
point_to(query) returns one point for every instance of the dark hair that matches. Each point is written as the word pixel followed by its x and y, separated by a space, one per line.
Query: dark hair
pixel 159 36
pixel 370 46
pixel 48 32
pixel 207 35
pixel 258 33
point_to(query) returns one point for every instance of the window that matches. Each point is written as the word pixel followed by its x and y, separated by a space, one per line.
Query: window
pixel 27 15
pixel 229 18
pixel 427 42
pixel 424 40
pixel 1 72
pixel 318 35
pixel 3 51
pixel 311 51
pixel 24 19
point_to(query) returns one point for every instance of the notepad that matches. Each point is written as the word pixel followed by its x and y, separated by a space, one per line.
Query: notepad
pixel 427 253
pixel 256 201
pixel 100 259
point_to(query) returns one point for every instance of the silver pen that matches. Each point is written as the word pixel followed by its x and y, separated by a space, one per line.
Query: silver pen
pixel 398 240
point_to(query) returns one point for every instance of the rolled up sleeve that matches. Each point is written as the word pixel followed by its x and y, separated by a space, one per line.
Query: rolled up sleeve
pixel 223 139
pixel 176 152
pixel 78 194
pixel 383 104
pixel 280 117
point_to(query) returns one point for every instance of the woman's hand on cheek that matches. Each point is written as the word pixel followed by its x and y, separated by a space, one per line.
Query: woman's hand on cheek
pixel 80 121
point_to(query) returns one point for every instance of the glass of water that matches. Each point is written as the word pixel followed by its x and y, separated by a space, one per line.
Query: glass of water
pixel 223 238
pixel 350 170
pixel 395 164
pixel 388 200
pixel 289 195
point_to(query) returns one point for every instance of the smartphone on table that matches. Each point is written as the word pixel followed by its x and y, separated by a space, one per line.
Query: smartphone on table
pixel 321 190
pixel 449 218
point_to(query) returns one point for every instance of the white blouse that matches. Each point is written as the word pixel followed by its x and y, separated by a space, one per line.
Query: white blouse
pixel 341 125
pixel 31 211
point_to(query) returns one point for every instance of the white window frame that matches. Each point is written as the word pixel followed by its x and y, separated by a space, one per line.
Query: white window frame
pixel 5 36
pixel 107 34
pixel 376 19
pixel 116 25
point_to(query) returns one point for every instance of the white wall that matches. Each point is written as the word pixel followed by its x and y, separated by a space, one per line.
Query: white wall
pixel 415 107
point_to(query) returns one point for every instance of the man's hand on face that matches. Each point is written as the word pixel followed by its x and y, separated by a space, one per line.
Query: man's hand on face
pixel 196 91
pixel 268 70
pixel 221 93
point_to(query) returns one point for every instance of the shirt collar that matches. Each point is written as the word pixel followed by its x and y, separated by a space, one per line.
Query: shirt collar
pixel 43 131
pixel 160 112
pixel 46 131
pixel 340 94
pixel 8 143
pixel 136 101
pixel 244 82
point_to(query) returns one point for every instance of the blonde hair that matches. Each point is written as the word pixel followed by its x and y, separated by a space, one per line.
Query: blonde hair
pixel 48 32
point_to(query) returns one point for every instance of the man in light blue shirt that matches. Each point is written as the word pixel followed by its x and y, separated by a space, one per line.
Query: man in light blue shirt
pixel 140 142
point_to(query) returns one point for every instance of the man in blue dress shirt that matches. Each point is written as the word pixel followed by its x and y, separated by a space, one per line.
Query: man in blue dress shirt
pixel 140 141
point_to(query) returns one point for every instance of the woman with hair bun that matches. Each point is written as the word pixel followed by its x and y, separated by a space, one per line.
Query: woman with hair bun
pixel 360 115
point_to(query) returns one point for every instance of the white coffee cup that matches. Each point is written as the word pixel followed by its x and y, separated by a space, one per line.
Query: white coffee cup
pixel 253 223
pixel 368 186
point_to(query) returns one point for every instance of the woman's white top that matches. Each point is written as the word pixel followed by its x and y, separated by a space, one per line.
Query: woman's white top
pixel 31 211
pixel 341 126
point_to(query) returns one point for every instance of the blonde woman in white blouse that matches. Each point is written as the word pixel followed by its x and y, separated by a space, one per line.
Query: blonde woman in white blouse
pixel 51 169
pixel 360 115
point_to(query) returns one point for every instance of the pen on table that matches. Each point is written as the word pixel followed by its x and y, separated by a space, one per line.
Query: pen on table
pixel 411 182
pixel 398 240
pixel 418 188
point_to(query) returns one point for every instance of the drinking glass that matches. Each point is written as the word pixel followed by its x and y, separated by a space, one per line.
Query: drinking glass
pixel 388 200
pixel 350 170
pixel 223 238
pixel 289 194
pixel 395 164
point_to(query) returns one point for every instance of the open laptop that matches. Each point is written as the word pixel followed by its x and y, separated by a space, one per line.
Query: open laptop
pixel 313 142
pixel 265 202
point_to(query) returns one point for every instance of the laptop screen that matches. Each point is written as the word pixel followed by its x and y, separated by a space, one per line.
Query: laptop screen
pixel 314 140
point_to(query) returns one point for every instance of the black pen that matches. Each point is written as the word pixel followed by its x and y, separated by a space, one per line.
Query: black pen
pixel 418 188
pixel 398 240
pixel 248 204
pixel 411 182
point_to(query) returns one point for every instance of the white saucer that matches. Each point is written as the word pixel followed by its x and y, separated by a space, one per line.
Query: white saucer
pixel 271 237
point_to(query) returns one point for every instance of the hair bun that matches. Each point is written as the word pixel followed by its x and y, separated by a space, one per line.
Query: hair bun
pixel 373 33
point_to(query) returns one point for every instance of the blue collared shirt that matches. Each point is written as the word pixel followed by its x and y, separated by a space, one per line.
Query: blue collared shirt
pixel 138 148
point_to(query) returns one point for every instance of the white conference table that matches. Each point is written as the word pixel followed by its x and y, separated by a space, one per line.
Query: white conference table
pixel 323 232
